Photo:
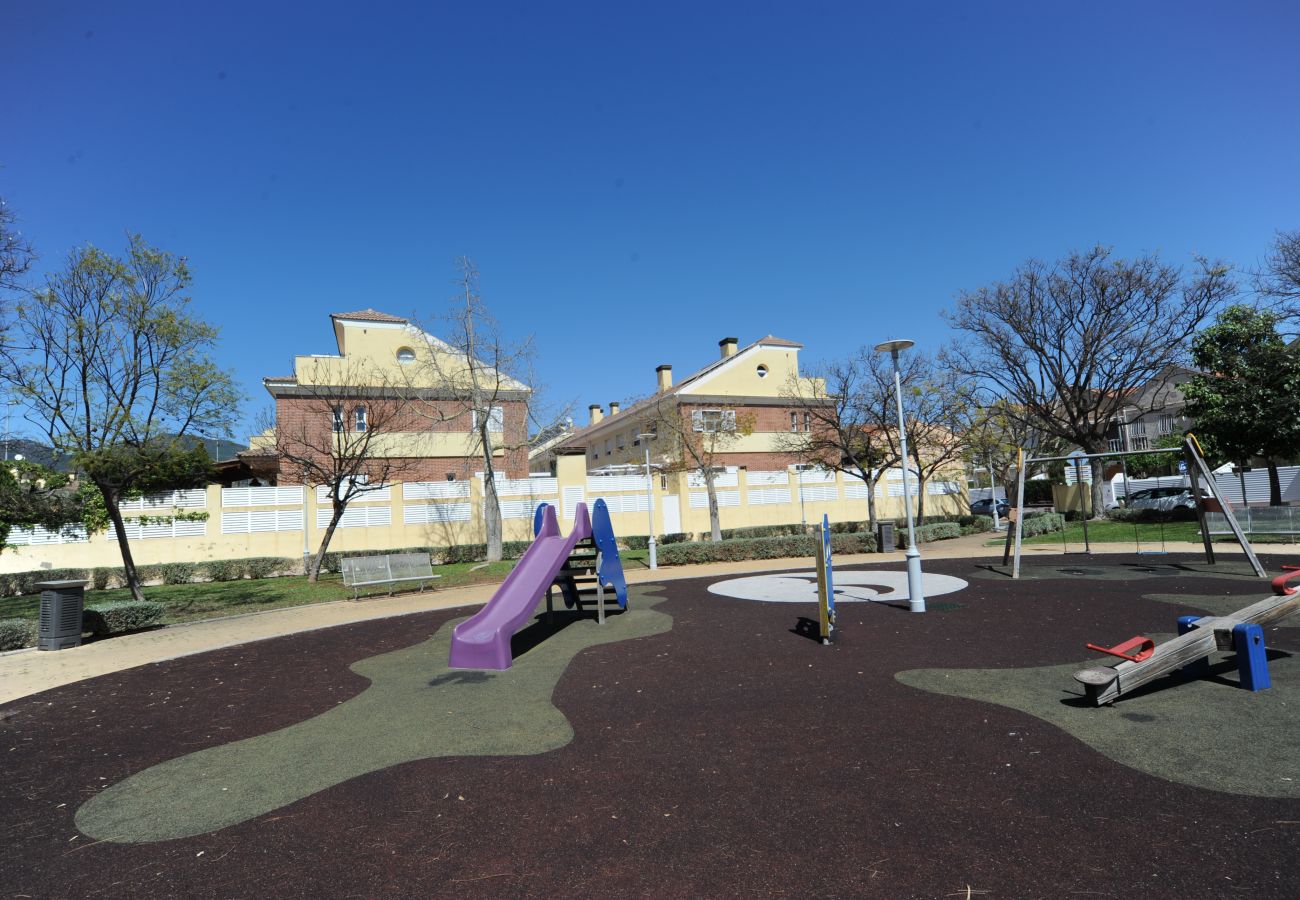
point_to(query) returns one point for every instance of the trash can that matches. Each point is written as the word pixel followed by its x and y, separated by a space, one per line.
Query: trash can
pixel 885 537
pixel 61 607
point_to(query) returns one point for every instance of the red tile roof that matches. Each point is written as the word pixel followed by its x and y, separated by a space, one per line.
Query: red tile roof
pixel 369 315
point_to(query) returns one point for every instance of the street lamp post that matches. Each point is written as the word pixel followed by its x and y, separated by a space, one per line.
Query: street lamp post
pixel 915 592
pixel 646 438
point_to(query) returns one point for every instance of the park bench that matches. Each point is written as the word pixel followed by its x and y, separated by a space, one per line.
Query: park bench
pixel 392 569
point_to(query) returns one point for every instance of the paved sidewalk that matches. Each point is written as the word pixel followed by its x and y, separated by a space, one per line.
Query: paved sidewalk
pixel 26 672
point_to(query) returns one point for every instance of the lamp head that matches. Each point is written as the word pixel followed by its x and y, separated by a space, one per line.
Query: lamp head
pixel 894 347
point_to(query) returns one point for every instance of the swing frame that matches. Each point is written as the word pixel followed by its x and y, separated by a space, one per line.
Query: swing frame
pixel 1198 474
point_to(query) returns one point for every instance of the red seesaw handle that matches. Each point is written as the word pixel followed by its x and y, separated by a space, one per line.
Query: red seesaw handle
pixel 1280 586
pixel 1144 646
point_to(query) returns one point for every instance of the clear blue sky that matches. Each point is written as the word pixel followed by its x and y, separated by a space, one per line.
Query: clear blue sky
pixel 636 181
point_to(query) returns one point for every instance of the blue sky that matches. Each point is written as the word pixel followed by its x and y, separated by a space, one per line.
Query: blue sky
pixel 638 180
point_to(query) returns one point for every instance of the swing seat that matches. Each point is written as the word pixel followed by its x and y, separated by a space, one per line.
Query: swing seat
pixel 1280 586
pixel 1143 645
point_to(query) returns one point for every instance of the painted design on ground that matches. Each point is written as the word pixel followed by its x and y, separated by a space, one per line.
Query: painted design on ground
pixel 850 587
pixel 1237 571
pixel 415 708
pixel 1207 733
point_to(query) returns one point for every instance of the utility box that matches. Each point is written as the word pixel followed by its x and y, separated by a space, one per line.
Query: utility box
pixel 885 537
pixel 62 603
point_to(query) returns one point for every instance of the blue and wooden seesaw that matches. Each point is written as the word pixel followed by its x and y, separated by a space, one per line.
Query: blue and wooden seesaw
pixel 1142 661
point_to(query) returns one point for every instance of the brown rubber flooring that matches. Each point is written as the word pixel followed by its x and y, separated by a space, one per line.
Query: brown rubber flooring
pixel 729 756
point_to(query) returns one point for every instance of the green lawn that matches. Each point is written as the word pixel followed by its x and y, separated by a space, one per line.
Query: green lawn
pixel 1122 533
pixel 214 599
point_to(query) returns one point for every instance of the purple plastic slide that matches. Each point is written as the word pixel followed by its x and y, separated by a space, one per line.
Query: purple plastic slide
pixel 483 640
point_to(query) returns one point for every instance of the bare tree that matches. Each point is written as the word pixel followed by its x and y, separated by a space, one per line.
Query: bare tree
pixel 997 433
pixel 16 254
pixel 342 429
pixel 484 378
pixel 695 440
pixel 1278 281
pixel 848 407
pixel 1066 343
pixel 938 406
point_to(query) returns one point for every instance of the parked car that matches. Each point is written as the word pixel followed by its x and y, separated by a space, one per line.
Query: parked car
pixel 985 508
pixel 1163 498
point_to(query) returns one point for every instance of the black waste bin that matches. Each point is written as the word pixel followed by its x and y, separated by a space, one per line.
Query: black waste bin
pixel 62 603
pixel 885 537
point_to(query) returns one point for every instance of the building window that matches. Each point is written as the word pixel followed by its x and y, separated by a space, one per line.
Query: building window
pixel 360 418
pixel 711 420
pixel 338 420
pixel 609 447
pixel 621 440
pixel 807 421
pixel 406 355
pixel 1166 425
pixel 496 419
pixel 794 421
pixel 762 371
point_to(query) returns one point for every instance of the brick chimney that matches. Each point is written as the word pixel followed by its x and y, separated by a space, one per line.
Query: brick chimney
pixel 596 414
pixel 728 346
pixel 613 407
pixel 665 373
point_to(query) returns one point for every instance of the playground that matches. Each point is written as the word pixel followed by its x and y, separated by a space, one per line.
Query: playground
pixel 701 742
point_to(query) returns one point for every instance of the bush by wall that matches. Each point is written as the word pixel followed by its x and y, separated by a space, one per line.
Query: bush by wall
pixel 115 618
pixel 266 566
pixel 178 572
pixel 17 583
pixel 761 548
pixel 17 633
pixel 1151 516
pixel 934 531
pixel 761 531
pixel 1042 523
pixel 1039 491
pixel 677 537
pixel 224 569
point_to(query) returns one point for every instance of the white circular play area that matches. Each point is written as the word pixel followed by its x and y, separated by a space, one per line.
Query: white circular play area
pixel 850 587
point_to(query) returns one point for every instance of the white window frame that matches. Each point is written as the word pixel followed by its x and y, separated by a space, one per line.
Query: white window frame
pixel 496 419
pixel 725 420
pixel 337 420
pixel 359 421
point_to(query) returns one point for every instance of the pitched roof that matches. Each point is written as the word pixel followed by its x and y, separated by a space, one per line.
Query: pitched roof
pixel 578 436
pixel 369 315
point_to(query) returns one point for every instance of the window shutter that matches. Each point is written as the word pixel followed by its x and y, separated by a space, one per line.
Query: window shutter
pixel 697 420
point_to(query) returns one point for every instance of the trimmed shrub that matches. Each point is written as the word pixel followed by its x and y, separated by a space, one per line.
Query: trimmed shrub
pixel 1038 491
pixel 636 541
pixel 761 531
pixel 1042 523
pixel 17 633
pixel 103 577
pixel 224 569
pixel 935 531
pixel 266 566
pixel 678 554
pixel 116 618
pixel 677 537
pixel 18 583
pixel 178 572
pixel 1151 516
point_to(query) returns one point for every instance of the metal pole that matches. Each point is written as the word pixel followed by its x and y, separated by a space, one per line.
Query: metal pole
pixel 650 509
pixel 915 591
pixel 993 495
pixel 1083 508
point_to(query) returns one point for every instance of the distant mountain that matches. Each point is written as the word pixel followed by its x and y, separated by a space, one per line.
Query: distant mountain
pixel 218 448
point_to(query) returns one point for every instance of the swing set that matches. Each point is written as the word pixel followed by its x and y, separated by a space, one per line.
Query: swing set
pixel 1205 492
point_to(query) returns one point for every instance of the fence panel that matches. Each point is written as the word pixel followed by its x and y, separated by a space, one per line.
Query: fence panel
pixel 435 490
pixel 261 520
pixel 261 496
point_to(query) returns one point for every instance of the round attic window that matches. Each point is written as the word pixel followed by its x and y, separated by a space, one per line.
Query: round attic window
pixel 762 371
pixel 406 355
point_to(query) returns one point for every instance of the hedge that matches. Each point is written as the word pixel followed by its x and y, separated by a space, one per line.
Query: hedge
pixel 761 548
pixel 18 583
pixel 17 633
pixel 936 531
pixel 757 531
pixel 127 615
pixel 1151 516
pixel 1042 523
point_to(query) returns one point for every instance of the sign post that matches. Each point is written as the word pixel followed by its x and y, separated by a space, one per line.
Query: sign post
pixel 825 582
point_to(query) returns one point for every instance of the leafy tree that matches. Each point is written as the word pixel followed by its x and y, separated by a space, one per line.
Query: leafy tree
pixel 111 364
pixel 849 405
pixel 1066 343
pixel 1244 403
pixel 32 495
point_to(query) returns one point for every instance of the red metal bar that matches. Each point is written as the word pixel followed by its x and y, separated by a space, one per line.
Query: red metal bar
pixel 1143 645
pixel 1280 586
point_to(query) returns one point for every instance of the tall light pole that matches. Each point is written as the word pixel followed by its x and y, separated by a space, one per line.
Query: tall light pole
pixel 645 439
pixel 915 592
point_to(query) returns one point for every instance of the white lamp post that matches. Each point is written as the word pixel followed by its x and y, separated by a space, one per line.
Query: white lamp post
pixel 915 592
pixel 645 439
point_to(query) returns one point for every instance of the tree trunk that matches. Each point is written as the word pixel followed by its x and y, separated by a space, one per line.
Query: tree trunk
pixel 870 482
pixel 128 562
pixel 1241 477
pixel 313 573
pixel 1274 483
pixel 492 519
pixel 1098 484
pixel 715 522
